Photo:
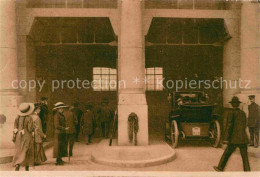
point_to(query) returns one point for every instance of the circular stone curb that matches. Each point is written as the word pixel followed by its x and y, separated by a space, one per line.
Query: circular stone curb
pixel 135 163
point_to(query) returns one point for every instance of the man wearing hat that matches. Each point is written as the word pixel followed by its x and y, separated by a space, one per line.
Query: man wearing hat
pixel 60 141
pixel 253 121
pixel 234 136
pixel 23 139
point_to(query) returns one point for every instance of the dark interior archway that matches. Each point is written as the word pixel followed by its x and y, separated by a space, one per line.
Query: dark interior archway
pixel 185 49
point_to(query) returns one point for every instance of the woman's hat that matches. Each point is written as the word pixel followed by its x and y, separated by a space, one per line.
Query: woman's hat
pixel 235 99
pixel 60 105
pixel 25 109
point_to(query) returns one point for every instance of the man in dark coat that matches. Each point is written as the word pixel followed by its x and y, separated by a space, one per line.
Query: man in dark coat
pixel 78 113
pixel 235 136
pixel 60 142
pixel 106 115
pixel 71 122
pixel 253 121
pixel 44 113
pixel 87 123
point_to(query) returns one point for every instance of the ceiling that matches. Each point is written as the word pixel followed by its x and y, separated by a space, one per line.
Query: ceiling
pixel 72 30
pixel 186 31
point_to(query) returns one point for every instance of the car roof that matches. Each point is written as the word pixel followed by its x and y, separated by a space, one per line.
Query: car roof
pixel 188 92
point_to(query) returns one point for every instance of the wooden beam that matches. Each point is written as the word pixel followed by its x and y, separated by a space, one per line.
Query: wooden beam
pixel 113 43
pixel 149 44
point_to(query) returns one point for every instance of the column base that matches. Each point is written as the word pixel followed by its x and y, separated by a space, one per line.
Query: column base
pixel 135 103
pixel 133 156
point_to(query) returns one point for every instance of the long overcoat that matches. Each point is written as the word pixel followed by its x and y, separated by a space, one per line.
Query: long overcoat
pixel 235 128
pixel 38 133
pixel 24 142
pixel 39 154
pixel 253 115
pixel 44 117
pixel 78 113
pixel 71 121
pixel 105 113
pixel 60 142
pixel 87 122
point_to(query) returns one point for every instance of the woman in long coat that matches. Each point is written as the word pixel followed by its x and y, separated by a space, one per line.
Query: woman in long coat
pixel 39 154
pixel 60 140
pixel 87 124
pixel 23 128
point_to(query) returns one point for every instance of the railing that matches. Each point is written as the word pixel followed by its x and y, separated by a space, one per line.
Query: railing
pixel 72 4
pixel 188 4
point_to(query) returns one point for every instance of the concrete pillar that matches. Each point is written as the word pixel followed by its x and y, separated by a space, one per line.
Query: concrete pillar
pixel 250 50
pixel 25 49
pixel 131 66
pixel 8 71
pixel 231 60
pixel 26 66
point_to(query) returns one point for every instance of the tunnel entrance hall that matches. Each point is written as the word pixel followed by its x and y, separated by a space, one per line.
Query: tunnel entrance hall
pixel 71 49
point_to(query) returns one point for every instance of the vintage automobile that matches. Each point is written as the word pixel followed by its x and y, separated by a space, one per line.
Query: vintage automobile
pixel 191 116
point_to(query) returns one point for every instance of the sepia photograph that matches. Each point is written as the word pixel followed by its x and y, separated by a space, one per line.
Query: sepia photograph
pixel 128 88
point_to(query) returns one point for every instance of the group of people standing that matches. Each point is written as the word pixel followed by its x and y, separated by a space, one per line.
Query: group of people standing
pixel 68 121
pixel 29 133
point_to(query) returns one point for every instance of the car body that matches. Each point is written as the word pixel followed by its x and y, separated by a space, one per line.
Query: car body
pixel 191 115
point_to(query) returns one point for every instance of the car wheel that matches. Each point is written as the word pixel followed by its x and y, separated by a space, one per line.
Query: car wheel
pixel 166 131
pixel 174 133
pixel 214 133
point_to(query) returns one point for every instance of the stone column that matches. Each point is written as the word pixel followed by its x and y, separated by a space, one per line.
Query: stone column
pixel 25 49
pixel 131 66
pixel 231 60
pixel 8 70
pixel 250 50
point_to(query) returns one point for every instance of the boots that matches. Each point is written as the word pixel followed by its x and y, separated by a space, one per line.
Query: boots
pixel 89 139
pixel 26 168
pixel 17 167
pixel 256 141
pixel 217 169
pixel 251 139
pixel 59 161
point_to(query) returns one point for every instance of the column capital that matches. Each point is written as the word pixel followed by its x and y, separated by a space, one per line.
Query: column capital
pixel 233 26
